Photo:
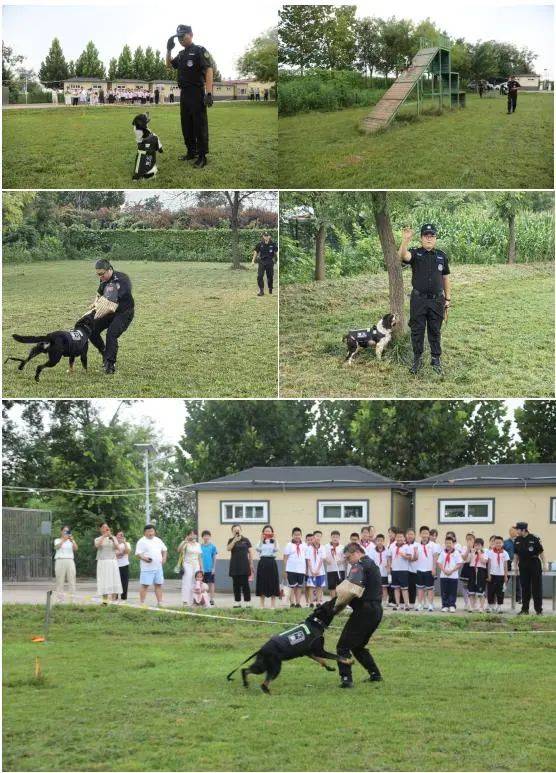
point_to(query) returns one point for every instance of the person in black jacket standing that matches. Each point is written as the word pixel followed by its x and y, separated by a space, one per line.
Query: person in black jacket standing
pixel 195 74
pixel 365 617
pixel 529 558
pixel 512 86
pixel 266 252
pixel 114 310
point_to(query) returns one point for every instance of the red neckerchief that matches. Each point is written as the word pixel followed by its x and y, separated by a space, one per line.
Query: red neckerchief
pixel 424 545
pixel 380 552
pixel 297 547
pixel 448 554
pixel 398 547
pixel 498 551
pixel 365 542
pixel 333 551
pixel 477 557
pixel 315 553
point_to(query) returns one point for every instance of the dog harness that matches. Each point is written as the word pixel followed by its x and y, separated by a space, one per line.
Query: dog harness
pixel 365 338
pixel 145 162
pixel 75 343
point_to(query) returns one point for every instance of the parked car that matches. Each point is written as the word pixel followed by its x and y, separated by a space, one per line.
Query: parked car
pixel 474 86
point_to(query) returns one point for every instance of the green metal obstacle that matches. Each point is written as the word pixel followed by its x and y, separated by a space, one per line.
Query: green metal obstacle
pixel 429 78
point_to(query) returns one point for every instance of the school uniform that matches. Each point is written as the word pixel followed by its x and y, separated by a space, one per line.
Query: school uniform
pixel 424 566
pixel 465 570
pixel 316 575
pixel 496 571
pixel 449 583
pixel 412 576
pixel 478 573
pixel 335 565
pixel 380 557
pixel 368 546
pixel 399 565
pixel 294 556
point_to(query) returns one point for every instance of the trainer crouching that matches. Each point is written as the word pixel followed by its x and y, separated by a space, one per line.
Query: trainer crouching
pixel 114 309
pixel 365 617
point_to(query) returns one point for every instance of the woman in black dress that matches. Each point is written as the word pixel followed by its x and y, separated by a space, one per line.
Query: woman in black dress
pixel 241 566
pixel 268 581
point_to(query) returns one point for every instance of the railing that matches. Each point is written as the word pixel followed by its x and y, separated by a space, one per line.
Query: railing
pixel 439 41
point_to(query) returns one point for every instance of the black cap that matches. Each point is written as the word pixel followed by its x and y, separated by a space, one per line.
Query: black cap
pixel 183 29
pixel 103 263
pixel 521 525
pixel 428 228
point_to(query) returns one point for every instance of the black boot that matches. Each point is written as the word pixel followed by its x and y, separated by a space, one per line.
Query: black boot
pixel 374 678
pixel 201 161
pixel 109 368
pixel 437 365
pixel 346 683
pixel 189 156
pixel 261 292
pixel 416 367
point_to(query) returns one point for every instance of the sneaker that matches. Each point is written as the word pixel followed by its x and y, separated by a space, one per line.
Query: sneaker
pixel 236 606
pixel 431 607
pixel 374 678
pixel 444 609
pixel 419 608
pixel 452 609
pixel 407 608
pixel 298 606
pixel 416 367
pixel 247 606
pixel 212 602
pixel 394 607
pixel 523 612
pixel 539 613
pixel 260 293
pixel 311 605
pixel 470 609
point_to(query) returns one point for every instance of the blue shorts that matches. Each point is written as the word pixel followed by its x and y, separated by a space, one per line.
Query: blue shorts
pixel 152 576
pixel 400 579
pixel 316 582
pixel 208 577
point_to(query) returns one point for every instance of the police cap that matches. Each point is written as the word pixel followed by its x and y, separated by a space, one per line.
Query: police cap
pixel 428 228
pixel 521 525
pixel 183 29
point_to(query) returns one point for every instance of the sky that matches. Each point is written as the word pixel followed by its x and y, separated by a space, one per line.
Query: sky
pixel 225 29
pixel 526 25
pixel 173 201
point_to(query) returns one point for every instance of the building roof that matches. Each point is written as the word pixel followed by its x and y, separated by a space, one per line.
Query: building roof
pixel 504 475
pixel 299 477
pixel 79 79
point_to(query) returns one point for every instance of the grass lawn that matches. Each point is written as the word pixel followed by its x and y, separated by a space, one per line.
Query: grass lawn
pixel 478 147
pixel 128 689
pixel 95 148
pixel 199 331
pixel 499 340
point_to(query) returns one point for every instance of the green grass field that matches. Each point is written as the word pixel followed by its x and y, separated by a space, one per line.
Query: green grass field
pixel 199 331
pixel 499 340
pixel 478 147
pixel 129 689
pixel 95 148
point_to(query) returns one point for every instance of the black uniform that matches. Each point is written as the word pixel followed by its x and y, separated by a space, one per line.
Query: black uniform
pixel 528 550
pixel 192 63
pixel 267 256
pixel 118 290
pixel 426 308
pixel 513 86
pixel 363 621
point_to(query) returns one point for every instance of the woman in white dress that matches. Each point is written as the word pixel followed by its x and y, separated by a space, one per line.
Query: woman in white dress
pixel 108 573
pixel 191 551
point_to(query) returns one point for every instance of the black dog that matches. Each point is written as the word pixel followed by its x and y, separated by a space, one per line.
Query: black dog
pixel 61 343
pixel 378 336
pixel 147 146
pixel 305 639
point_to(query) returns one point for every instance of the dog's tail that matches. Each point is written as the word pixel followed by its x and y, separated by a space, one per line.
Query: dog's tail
pixel 254 655
pixel 31 339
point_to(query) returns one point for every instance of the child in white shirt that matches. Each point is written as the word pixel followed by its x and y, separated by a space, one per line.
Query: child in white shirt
pixel 478 563
pixel 380 557
pixel 334 562
pixel 450 562
pixel 294 566
pixel 425 566
pixel 398 566
pixel 316 575
pixel 497 575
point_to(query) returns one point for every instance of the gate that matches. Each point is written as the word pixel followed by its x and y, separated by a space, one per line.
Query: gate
pixel 27 546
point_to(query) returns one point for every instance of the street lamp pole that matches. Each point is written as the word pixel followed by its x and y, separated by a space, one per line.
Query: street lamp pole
pixel 146 447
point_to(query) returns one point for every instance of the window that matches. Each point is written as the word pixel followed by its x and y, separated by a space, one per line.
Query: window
pixel 552 509
pixel 348 511
pixel 244 512
pixel 466 510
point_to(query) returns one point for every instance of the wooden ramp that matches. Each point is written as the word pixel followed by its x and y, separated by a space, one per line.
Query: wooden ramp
pixel 383 112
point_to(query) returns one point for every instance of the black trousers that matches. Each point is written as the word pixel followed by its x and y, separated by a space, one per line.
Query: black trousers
pixel 124 578
pixel 512 102
pixel 361 625
pixel 495 589
pixel 412 586
pixel 425 314
pixel 115 325
pixel 194 120
pixel 530 577
pixel 241 583
pixel 265 267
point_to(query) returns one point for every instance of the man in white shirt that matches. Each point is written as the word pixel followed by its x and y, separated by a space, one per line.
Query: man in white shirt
pixel 334 562
pixel 152 553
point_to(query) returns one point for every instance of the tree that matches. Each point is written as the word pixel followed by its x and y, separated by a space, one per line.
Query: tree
pixel 91 199
pixel 10 62
pixel 14 206
pixel 260 60
pixel 368 46
pixel 393 263
pixel 125 63
pixel 150 64
pixel 54 70
pixel 300 34
pixel 338 49
pixel 112 69
pixel 139 70
pixel 507 206
pixel 396 37
pixel 88 64
pixel 536 424
pixel 71 69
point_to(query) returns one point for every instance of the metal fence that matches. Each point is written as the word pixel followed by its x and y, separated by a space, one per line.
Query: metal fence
pixel 27 547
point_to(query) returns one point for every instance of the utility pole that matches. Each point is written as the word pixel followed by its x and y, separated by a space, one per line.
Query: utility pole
pixel 146 447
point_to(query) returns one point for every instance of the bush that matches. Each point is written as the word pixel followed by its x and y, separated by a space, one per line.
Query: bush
pixel 325 90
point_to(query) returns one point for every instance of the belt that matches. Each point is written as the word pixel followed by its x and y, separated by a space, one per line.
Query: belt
pixel 430 296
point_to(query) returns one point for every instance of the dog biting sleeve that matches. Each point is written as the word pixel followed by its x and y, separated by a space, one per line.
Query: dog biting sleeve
pixel 104 306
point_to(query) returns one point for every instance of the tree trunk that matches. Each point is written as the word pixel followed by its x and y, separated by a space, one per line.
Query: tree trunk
pixel 511 239
pixel 319 253
pixel 393 263
pixel 234 225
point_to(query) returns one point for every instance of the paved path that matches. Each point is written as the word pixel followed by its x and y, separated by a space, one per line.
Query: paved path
pixel 35 593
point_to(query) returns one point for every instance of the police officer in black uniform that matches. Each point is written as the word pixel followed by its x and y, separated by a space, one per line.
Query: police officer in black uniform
pixel 512 86
pixel 266 252
pixel 430 297
pixel 195 73
pixel 365 617
pixel 115 287
pixel 528 552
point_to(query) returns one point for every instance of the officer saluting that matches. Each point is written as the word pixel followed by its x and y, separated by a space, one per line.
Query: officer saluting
pixel 528 552
pixel 195 73
pixel 114 310
pixel 266 251
pixel 430 297
pixel 365 617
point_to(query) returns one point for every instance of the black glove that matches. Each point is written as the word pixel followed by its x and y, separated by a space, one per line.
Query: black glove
pixel 170 44
pixel 209 101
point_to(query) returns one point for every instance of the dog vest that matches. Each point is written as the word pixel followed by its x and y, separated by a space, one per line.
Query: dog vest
pixel 76 342
pixel 296 641
pixel 145 162
pixel 366 337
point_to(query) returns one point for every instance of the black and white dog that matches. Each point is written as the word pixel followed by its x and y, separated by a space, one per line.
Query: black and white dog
pixel 60 343
pixel 305 639
pixel 148 144
pixel 377 337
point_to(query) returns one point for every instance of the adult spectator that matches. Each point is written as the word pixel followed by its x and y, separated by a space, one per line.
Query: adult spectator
pixel 191 551
pixel 509 547
pixel 241 566
pixel 124 549
pixel 209 553
pixel 108 574
pixel 268 580
pixel 156 96
pixel 512 86
pixel 64 563
pixel 152 553
pixel 529 559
